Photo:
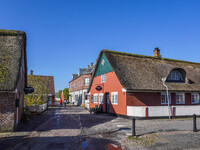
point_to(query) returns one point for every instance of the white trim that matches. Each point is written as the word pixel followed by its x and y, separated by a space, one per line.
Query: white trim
pixel 114 93
pixel 95 95
pixel 197 98
pixel 164 93
pixel 103 78
pixel 124 90
pixel 183 94
pixel 101 94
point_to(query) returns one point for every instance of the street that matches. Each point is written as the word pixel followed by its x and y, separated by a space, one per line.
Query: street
pixel 73 128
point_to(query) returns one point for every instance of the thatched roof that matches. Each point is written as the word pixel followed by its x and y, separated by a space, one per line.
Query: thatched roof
pixel 12 45
pixel 144 73
pixel 37 81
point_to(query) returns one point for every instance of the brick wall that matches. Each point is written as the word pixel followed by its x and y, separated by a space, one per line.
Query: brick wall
pixel 153 99
pixel 7 109
pixel 79 83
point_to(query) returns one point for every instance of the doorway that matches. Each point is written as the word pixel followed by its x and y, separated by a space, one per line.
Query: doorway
pixel 107 102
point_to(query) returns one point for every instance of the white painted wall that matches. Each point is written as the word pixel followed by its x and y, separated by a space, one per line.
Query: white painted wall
pixel 187 110
pixel 138 111
pixel 72 96
pixel 162 111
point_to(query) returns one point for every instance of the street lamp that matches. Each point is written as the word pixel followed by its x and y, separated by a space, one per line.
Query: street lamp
pixel 164 80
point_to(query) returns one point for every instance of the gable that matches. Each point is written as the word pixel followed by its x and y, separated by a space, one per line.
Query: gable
pixel 103 66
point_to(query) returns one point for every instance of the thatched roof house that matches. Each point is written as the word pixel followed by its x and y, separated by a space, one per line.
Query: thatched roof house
pixel 136 80
pixel 13 77
pixel 43 84
pixel 145 73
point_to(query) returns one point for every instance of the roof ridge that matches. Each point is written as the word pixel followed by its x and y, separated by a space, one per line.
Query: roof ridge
pixel 4 32
pixel 40 75
pixel 145 56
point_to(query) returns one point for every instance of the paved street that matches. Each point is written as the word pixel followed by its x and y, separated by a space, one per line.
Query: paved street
pixel 73 128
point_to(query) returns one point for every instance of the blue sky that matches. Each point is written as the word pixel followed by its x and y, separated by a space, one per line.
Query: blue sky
pixel 64 35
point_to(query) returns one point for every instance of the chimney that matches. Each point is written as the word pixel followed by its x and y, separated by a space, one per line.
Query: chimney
pixel 156 53
pixel 91 64
pixel 31 72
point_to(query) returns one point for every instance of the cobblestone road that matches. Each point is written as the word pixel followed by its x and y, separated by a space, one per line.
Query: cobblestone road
pixel 73 128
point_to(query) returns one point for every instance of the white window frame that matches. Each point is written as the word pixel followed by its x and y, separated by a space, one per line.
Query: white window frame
pixel 115 96
pixel 178 94
pixel 95 97
pixel 175 76
pixel 196 98
pixel 165 94
pixel 103 78
pixel 87 81
pixel 101 98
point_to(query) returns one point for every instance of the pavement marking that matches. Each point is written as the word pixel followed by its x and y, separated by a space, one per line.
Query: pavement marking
pixel 120 125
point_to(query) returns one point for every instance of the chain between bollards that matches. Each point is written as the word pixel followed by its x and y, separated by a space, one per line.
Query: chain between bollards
pixel 133 127
pixel 194 123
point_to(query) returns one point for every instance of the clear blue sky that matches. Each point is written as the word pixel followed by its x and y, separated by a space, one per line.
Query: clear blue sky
pixel 64 35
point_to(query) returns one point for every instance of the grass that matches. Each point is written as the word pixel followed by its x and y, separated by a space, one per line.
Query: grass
pixel 143 140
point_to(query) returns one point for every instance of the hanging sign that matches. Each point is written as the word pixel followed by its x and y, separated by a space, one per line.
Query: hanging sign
pixel 98 88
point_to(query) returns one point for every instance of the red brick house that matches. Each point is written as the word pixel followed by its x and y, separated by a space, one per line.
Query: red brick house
pixel 46 81
pixel 131 85
pixel 79 84
pixel 13 78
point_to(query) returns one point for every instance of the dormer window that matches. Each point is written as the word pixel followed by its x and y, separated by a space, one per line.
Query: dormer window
pixel 176 75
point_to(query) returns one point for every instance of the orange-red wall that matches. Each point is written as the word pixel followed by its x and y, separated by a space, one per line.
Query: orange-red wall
pixel 112 84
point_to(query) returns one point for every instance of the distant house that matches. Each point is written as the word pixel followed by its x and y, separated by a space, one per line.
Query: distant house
pixel 37 81
pixel 79 84
pixel 13 78
pixel 130 84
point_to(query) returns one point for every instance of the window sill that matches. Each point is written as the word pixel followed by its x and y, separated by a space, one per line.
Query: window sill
pixel 195 103
pixel 165 103
pixel 114 103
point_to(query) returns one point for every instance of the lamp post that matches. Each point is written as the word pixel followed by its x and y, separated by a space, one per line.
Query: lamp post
pixel 164 80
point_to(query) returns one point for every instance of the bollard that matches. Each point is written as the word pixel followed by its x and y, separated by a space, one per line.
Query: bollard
pixel 133 127
pixel 194 123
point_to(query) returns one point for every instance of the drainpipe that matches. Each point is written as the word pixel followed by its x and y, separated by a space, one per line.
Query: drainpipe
pixel 164 80
pixel 17 97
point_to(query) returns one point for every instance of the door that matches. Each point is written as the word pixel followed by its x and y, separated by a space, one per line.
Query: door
pixel 107 102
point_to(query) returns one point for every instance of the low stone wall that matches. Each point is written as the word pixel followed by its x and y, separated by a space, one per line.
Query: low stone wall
pixel 162 111
pixel 38 108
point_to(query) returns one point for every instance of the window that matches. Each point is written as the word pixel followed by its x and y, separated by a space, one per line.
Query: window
pixel 91 98
pixel 114 97
pixel 85 95
pixel 175 76
pixel 95 98
pixel 195 98
pixel 103 78
pixel 86 81
pixel 101 98
pixel 180 98
pixel 164 98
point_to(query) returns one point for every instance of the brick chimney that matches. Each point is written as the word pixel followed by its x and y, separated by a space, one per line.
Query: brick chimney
pixel 156 53
pixel 31 72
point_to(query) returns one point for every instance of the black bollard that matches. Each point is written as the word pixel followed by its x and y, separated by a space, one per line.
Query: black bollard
pixel 133 127
pixel 194 123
